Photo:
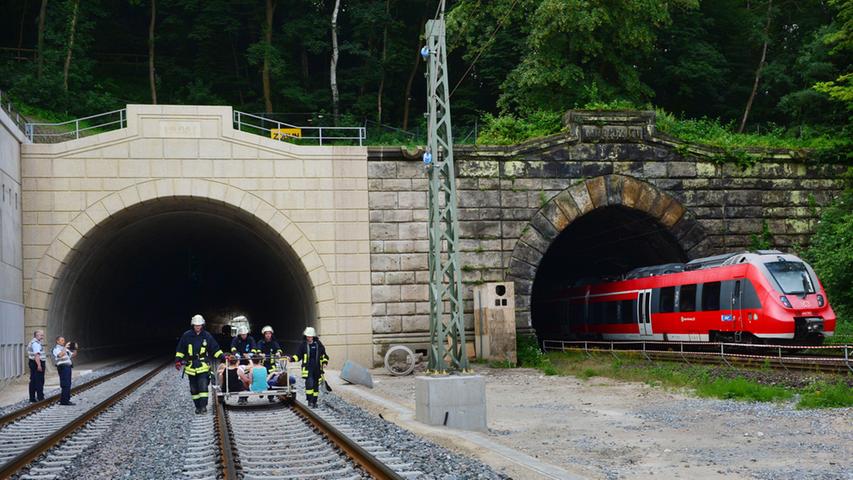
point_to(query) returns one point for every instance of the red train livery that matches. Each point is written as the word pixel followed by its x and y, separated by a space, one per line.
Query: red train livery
pixel 762 297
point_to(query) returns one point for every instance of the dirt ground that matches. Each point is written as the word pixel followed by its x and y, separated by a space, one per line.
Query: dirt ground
pixel 602 428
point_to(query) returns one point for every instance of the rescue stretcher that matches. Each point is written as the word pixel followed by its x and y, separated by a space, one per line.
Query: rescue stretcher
pixel 284 393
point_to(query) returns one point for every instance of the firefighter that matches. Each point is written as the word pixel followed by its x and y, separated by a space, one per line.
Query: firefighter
pixel 269 348
pixel 243 345
pixel 193 352
pixel 312 354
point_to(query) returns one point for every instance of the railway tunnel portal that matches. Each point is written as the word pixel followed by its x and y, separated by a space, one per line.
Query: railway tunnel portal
pixel 130 232
pixel 150 267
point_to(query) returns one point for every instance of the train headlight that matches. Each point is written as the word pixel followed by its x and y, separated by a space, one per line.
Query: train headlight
pixel 785 301
pixel 820 300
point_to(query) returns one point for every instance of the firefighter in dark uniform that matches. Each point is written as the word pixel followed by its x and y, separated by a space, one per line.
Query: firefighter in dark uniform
pixel 312 354
pixel 243 345
pixel 193 352
pixel 271 349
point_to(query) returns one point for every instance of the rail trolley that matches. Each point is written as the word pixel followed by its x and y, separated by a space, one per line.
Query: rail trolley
pixel 285 392
pixel 751 297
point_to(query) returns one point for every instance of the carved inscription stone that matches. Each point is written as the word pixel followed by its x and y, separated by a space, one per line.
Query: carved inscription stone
pixel 176 129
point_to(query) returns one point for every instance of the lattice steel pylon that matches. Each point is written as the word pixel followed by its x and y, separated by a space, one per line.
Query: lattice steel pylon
pixel 446 329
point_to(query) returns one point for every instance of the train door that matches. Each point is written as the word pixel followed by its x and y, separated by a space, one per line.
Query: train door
pixel 737 307
pixel 644 312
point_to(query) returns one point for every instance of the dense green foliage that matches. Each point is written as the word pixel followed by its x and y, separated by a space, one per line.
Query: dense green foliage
pixel 831 253
pixel 531 356
pixel 516 64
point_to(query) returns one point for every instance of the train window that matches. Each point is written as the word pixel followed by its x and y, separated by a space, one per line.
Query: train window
pixel 687 298
pixel 592 314
pixel 627 313
pixel 667 300
pixel 576 313
pixel 711 296
pixel 611 312
pixel 750 296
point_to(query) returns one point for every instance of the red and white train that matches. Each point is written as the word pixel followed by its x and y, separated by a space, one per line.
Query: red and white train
pixel 754 297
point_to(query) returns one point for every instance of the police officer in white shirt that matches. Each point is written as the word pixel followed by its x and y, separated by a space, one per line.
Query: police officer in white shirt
pixel 63 356
pixel 35 352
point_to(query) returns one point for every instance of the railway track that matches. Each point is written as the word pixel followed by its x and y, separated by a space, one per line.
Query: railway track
pixel 295 442
pixel 40 427
pixel 836 359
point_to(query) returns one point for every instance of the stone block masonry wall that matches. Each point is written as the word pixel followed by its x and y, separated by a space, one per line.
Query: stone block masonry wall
pixel 12 337
pixel 501 189
pixel 313 198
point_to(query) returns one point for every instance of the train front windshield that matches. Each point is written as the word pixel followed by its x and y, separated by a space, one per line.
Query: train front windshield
pixel 792 277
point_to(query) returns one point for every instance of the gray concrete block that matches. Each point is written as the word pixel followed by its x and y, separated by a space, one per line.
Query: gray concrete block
pixel 452 401
pixel 355 373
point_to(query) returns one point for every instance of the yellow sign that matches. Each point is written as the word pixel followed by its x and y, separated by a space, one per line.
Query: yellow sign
pixel 282 133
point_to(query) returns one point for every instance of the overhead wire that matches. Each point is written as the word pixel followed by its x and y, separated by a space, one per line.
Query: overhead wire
pixel 485 46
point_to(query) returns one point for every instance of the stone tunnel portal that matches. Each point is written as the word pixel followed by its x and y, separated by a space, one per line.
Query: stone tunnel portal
pixel 139 277
pixel 604 242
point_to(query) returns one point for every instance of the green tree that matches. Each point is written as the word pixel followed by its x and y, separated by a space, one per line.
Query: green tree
pixel 840 37
pixel 567 47
pixel 830 252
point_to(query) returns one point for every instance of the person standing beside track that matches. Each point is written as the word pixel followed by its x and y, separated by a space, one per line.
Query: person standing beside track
pixel 62 357
pixel 192 352
pixel 312 354
pixel 35 354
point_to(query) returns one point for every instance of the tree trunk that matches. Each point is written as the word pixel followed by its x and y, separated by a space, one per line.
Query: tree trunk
pixel 333 68
pixel 236 69
pixel 151 52
pixel 758 70
pixel 406 99
pixel 40 48
pixel 304 57
pixel 72 30
pixel 21 26
pixel 384 56
pixel 271 4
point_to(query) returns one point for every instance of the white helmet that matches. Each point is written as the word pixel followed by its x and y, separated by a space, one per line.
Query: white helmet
pixel 266 329
pixel 310 332
pixel 197 320
pixel 243 331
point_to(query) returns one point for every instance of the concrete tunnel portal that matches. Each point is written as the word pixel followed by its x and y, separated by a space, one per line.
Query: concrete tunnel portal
pixel 138 278
pixel 605 242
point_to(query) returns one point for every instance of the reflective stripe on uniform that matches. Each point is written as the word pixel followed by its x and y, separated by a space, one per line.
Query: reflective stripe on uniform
pixel 217 354
pixel 200 395
pixel 179 355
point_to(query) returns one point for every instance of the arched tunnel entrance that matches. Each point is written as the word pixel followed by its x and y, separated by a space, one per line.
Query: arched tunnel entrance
pixel 140 276
pixel 605 242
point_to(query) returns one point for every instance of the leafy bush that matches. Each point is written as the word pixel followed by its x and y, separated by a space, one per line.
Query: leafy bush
pixel 831 254
pixel 529 355
pixel 508 129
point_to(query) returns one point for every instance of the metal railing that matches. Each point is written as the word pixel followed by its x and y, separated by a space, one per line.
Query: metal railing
pixel 247 122
pixel 724 351
pixel 6 105
pixel 74 129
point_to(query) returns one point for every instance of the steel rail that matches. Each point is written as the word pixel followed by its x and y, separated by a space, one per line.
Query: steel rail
pixel 226 449
pixel 33 407
pixel 25 458
pixel 358 454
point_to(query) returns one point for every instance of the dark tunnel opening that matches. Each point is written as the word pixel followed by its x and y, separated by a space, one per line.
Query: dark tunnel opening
pixel 139 278
pixel 605 242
